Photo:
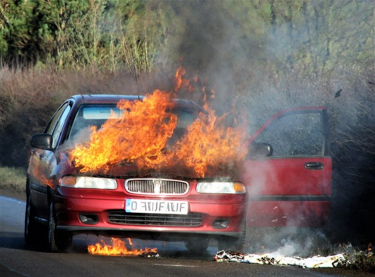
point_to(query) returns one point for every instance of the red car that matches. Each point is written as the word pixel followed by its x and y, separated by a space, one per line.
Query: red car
pixel 124 201
pixel 285 181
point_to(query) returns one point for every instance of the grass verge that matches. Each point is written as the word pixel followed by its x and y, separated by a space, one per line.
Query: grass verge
pixel 13 178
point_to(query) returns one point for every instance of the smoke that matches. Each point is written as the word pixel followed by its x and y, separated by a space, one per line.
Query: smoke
pixel 291 248
pixel 259 74
pixel 208 49
pixel 289 242
pixel 204 35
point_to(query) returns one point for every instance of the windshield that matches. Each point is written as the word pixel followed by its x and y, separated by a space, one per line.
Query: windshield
pixel 95 115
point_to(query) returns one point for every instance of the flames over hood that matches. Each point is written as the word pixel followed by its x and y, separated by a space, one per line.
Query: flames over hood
pixel 141 136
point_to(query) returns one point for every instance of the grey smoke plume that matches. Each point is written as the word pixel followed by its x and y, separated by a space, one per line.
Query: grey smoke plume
pixel 239 67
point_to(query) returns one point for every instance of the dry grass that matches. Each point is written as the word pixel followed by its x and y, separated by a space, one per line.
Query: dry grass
pixel 13 179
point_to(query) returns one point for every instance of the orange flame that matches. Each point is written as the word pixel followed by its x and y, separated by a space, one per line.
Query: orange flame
pixel 209 145
pixel 118 248
pixel 140 137
pixel 36 171
pixel 181 83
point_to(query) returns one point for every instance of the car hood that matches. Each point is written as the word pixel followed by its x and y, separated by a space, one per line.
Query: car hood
pixel 130 170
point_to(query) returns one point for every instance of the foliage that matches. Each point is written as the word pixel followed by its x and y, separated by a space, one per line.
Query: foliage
pixel 317 36
pixel 102 34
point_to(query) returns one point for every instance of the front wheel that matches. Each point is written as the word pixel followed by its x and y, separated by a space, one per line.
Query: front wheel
pixel 197 245
pixel 57 240
pixel 31 231
pixel 234 244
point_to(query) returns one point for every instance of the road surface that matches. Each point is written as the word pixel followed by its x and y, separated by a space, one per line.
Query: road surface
pixel 17 259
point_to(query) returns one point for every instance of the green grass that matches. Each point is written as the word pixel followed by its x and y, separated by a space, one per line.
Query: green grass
pixel 13 179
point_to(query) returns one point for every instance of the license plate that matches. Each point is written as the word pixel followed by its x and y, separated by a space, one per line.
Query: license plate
pixel 156 206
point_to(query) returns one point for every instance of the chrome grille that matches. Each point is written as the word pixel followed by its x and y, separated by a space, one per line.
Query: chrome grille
pixel 121 217
pixel 156 186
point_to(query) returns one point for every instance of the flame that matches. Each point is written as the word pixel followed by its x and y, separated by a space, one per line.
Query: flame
pixel 118 248
pixel 36 171
pixel 209 144
pixel 181 83
pixel 140 137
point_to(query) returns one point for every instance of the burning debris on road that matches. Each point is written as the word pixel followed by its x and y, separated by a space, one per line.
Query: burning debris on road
pixel 119 248
pixel 349 258
pixel 269 258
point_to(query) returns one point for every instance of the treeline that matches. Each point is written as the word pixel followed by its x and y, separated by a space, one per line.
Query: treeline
pixel 71 34
pixel 111 35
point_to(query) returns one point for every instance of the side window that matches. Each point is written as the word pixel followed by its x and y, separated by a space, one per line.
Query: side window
pixel 296 134
pixel 91 115
pixel 60 124
pixel 57 122
pixel 54 119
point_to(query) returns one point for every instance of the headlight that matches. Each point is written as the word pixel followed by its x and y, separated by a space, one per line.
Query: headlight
pixel 221 187
pixel 88 182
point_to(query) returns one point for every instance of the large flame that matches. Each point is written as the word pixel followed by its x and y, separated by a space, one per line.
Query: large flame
pixel 140 137
pixel 119 248
pixel 210 146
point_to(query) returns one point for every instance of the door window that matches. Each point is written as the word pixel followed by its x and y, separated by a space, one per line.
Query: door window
pixel 57 122
pixel 294 134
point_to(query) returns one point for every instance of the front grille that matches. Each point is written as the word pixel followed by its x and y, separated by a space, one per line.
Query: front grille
pixel 172 220
pixel 156 186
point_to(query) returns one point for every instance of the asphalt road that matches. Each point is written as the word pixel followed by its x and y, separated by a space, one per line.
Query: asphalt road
pixel 17 259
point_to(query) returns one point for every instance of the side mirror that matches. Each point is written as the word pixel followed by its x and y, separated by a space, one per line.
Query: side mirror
pixel 43 141
pixel 260 149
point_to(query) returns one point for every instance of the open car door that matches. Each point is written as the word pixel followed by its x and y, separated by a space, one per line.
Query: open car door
pixel 288 172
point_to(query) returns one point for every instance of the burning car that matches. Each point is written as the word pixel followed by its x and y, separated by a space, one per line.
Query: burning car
pixel 156 167
pixel 118 165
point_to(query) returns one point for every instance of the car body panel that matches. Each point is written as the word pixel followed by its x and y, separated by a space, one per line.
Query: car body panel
pixel 71 202
pixel 292 188
pixel 70 208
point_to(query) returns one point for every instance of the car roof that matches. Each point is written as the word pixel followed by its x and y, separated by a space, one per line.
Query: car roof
pixel 114 98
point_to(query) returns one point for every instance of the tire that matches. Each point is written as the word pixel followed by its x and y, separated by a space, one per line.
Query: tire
pixel 58 241
pixel 32 231
pixel 234 244
pixel 197 245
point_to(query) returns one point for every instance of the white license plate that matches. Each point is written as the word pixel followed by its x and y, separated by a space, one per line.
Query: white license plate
pixel 156 206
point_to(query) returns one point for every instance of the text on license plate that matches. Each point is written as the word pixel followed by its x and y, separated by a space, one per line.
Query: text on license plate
pixel 156 206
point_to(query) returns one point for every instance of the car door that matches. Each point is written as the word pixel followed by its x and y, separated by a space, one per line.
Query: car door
pixel 288 172
pixel 42 162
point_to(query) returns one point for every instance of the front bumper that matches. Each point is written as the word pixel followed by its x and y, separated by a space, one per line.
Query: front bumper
pixel 228 210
